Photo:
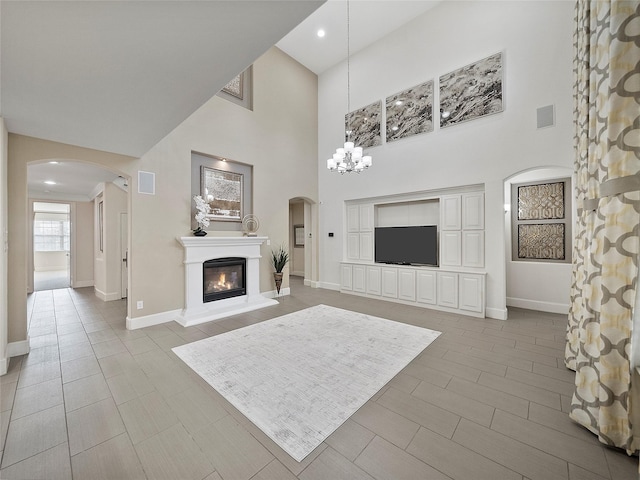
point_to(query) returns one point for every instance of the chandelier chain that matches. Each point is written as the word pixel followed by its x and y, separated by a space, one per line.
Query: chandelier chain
pixel 348 74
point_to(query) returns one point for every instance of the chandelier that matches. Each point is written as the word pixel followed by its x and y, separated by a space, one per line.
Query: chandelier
pixel 348 158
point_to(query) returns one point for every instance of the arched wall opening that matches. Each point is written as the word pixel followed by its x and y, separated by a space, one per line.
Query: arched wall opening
pixel 537 285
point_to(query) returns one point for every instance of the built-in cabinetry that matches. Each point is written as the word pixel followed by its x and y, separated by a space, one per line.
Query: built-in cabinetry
pixel 451 291
pixel 456 285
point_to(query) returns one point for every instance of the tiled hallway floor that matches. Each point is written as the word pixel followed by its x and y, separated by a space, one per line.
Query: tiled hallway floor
pixel 487 400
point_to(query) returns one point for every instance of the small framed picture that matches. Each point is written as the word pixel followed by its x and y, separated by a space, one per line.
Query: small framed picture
pixel 298 235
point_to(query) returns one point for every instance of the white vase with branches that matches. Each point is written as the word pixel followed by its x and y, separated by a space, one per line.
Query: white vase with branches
pixel 203 209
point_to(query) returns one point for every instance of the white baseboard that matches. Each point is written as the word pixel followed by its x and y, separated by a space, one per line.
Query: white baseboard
pixel 83 283
pixel 329 286
pixel 151 320
pixel 15 349
pixel 550 307
pixel 311 283
pixel 107 297
pixel 275 294
pixel 4 365
pixel 496 313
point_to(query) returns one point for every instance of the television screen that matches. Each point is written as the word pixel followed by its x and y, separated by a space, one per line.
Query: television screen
pixel 407 245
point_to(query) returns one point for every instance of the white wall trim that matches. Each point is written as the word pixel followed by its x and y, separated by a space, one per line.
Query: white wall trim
pixel 15 349
pixel 496 313
pixel 311 283
pixel 549 307
pixel 4 366
pixel 329 286
pixel 275 294
pixel 154 319
pixel 107 297
pixel 83 283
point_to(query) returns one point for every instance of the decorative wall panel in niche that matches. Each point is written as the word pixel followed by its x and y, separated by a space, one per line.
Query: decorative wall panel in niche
pixel 364 124
pixel 472 91
pixel 541 241
pixel 544 201
pixel 410 112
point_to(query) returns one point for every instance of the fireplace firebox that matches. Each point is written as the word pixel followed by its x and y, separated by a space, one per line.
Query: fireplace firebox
pixel 223 278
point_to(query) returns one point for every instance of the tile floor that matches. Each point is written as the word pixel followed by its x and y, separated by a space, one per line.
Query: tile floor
pixel 487 400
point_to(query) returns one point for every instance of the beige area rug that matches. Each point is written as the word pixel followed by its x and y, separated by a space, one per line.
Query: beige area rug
pixel 300 376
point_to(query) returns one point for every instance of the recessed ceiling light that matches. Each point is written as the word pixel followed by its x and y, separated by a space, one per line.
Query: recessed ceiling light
pixel 321 33
pixel 49 182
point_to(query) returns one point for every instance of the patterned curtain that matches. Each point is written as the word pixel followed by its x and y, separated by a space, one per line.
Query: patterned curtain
pixel 605 260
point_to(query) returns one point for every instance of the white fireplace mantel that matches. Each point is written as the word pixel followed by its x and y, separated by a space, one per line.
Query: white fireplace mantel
pixel 197 250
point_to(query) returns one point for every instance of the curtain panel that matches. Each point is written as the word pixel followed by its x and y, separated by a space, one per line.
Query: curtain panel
pixel 606 243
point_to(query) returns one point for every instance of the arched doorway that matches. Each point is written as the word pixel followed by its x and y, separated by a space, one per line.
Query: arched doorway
pixel 537 284
pixel 302 240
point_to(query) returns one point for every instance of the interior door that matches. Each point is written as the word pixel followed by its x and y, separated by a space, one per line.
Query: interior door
pixel 124 255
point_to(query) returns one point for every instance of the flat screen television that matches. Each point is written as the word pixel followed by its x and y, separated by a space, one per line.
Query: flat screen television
pixel 416 245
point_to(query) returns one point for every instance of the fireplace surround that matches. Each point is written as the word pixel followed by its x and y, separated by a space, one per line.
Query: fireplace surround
pixel 197 251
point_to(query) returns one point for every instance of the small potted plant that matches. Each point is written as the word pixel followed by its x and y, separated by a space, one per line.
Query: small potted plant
pixel 279 258
pixel 203 209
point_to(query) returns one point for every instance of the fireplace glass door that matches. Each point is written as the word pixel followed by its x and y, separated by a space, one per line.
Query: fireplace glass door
pixel 223 278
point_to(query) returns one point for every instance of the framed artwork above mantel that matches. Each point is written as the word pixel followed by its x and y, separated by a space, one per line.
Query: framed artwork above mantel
pixel 223 191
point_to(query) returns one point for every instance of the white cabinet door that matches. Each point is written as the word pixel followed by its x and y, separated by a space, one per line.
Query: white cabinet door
pixel 448 289
pixel 366 218
pixel 346 277
pixel 373 281
pixel 451 248
pixel 366 246
pixel 353 246
pixel 473 211
pixel 359 278
pixel 353 218
pixel 390 282
pixel 473 248
pixel 426 283
pixel 472 292
pixel 407 285
pixel 450 212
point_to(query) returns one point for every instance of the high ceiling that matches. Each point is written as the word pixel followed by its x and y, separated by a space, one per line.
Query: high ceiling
pixel 119 76
pixel 369 21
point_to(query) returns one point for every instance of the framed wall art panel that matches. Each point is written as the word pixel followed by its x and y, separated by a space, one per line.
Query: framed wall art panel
pixel 410 112
pixel 472 91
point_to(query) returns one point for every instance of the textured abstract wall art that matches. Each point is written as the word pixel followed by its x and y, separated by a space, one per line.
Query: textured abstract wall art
pixel 472 91
pixel 234 87
pixel 365 125
pixel 544 201
pixel 410 112
pixel 541 241
pixel 223 192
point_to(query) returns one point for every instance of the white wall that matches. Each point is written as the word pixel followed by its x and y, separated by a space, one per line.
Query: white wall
pixel 4 360
pixel 108 264
pixel 48 261
pixel 83 244
pixel 536 40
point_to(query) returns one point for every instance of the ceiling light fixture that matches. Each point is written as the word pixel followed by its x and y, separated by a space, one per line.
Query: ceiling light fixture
pixel 321 33
pixel 348 158
pixel 49 182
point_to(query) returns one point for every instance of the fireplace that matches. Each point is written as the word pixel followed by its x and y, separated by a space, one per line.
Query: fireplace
pixel 223 278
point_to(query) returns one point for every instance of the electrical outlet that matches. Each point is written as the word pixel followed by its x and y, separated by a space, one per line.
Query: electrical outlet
pixel 140 304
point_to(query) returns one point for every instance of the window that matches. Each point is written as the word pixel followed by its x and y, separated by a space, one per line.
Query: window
pixel 541 221
pixel 51 232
